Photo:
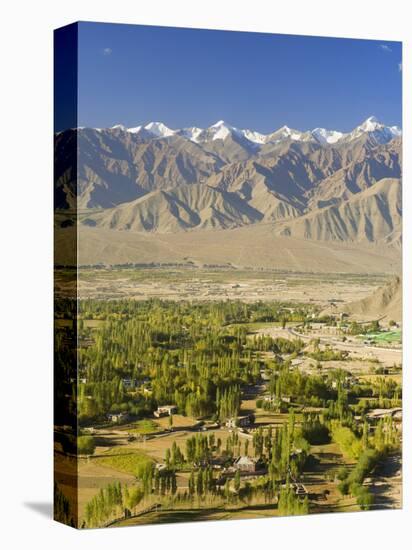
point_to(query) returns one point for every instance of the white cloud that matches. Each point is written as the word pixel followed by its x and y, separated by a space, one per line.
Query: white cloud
pixel 107 51
pixel 385 48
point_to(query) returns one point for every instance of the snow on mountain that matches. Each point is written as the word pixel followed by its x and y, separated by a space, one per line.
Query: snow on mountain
pixel 191 133
pixel 222 130
pixel 292 134
pixel 395 130
pixel 370 125
pixel 285 133
pixel 255 137
pixel 380 132
pixel 326 136
pixel 119 127
pixel 159 129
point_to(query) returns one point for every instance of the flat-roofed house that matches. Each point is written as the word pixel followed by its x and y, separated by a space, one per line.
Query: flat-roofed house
pixel 165 410
pixel 240 421
pixel 248 464
pixel 118 417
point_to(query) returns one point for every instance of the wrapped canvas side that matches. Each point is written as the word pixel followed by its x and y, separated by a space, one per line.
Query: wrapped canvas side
pixel 65 278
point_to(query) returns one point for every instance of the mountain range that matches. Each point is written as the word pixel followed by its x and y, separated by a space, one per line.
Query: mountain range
pixel 317 185
pixel 222 130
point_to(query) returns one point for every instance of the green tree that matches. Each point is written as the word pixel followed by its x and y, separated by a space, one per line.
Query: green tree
pixel 237 481
pixel 86 445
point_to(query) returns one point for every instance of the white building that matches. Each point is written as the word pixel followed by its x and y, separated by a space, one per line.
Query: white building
pixel 118 417
pixel 165 410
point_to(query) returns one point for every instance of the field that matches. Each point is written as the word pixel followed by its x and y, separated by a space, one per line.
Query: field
pixel 123 460
pixel 144 427
pixel 193 283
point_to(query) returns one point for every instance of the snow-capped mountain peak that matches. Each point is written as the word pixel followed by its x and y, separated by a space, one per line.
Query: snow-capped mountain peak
pixel 220 130
pixel 159 129
pixel 284 133
pixel 370 124
pixel 377 131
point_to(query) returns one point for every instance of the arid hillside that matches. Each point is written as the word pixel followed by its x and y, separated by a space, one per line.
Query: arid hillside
pixel 385 301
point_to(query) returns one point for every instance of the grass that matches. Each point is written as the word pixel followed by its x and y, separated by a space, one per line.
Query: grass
pixel 123 460
pixel 387 337
pixel 143 427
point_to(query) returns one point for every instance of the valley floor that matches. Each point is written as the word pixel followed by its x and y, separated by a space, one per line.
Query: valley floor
pixel 246 247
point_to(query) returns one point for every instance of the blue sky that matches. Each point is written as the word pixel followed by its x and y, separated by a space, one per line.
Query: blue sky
pixel 183 77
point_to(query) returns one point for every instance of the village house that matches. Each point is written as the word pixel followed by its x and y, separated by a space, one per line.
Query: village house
pixel 274 400
pixel 240 421
pixel 377 414
pixel 130 383
pixel 165 410
pixel 118 417
pixel 218 462
pixel 346 383
pixel 397 415
pixel 264 375
pixel 248 464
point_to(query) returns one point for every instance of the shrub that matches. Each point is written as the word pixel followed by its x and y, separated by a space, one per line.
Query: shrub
pixel 316 433
pixel 86 445
pixel 342 473
pixel 367 461
pixel 364 497
pixel 344 487
pixel 347 440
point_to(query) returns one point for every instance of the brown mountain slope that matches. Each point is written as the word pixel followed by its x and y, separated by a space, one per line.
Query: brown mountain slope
pixel 373 215
pixel 361 167
pixel 121 168
pixel 193 206
pixel 385 301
